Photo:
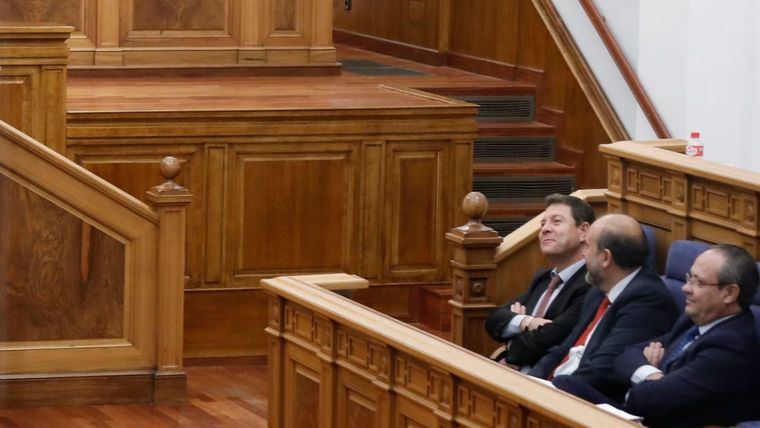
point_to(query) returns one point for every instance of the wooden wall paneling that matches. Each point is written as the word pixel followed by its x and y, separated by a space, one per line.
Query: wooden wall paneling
pixel 135 169
pixel 373 153
pixel 216 192
pixel 485 29
pixel 415 187
pixel 108 30
pixel 413 22
pixel 18 100
pixel 214 320
pixel 302 386
pixel 251 33
pixel 293 209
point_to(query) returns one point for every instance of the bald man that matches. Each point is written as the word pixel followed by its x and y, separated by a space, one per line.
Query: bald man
pixel 628 303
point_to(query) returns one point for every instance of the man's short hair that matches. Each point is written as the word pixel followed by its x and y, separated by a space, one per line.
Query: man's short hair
pixel 739 268
pixel 581 211
pixel 630 250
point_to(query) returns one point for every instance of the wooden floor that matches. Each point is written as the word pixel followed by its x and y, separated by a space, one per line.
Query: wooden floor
pixel 141 92
pixel 218 396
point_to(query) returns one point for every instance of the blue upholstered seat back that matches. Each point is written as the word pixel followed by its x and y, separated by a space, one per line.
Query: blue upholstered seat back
pixel 681 256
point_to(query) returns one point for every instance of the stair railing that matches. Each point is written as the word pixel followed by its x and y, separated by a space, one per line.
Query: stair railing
pixel 93 282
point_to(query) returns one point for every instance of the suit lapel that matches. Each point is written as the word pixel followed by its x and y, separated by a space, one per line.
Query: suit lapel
pixel 543 282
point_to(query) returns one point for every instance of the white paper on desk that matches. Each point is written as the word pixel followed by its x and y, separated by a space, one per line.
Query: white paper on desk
pixel 619 413
pixel 544 382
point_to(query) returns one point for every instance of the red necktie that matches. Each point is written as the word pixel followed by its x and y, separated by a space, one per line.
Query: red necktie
pixel 603 305
pixel 544 304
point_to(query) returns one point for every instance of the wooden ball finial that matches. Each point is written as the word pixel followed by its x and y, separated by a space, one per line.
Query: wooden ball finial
pixel 170 168
pixel 475 205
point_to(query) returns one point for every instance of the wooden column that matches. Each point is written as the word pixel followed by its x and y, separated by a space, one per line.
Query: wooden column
pixel 474 247
pixel 33 80
pixel 170 200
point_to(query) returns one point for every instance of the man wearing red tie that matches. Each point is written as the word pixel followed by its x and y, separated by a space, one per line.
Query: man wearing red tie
pixel 546 313
pixel 627 304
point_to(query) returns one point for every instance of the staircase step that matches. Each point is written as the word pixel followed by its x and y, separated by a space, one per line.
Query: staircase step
pixel 502 108
pixel 522 169
pixel 508 88
pixel 522 189
pixel 515 129
pixel 434 308
pixel 513 149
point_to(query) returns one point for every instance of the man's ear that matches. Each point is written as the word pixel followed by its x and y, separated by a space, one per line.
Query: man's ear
pixel 584 231
pixel 732 294
pixel 606 257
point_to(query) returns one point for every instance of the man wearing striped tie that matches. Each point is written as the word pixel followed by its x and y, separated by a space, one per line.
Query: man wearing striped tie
pixel 704 371
pixel 546 313
pixel 628 304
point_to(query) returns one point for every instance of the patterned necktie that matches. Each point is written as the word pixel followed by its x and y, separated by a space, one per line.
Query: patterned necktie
pixel 679 347
pixel 544 304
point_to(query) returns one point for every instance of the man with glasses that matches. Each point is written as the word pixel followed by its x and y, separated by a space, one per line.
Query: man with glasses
pixel 705 370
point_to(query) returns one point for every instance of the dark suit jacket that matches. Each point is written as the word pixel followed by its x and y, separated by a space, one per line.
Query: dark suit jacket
pixel 644 310
pixel 526 348
pixel 714 383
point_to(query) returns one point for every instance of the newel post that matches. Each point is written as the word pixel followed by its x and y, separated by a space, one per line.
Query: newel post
pixel 170 201
pixel 474 247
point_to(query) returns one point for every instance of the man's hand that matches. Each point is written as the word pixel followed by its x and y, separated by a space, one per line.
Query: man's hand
pixel 655 376
pixel 653 353
pixel 518 308
pixel 535 323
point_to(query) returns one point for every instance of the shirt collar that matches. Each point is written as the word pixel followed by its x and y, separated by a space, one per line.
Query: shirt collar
pixel 705 328
pixel 568 272
pixel 621 285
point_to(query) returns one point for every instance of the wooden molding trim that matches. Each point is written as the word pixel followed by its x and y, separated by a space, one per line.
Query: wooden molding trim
pixel 625 69
pixel 390 47
pixel 581 70
pixel 526 234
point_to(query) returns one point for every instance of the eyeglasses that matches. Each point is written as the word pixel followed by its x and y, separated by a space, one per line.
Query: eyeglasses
pixel 693 280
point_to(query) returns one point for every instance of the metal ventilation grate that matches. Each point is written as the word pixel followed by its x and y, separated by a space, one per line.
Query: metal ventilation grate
pixel 513 108
pixel 505 226
pixel 371 68
pixel 522 189
pixel 511 149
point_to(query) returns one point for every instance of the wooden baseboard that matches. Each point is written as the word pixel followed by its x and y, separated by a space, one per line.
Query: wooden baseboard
pixel 234 70
pixel 76 389
pixel 390 47
pixel 170 388
pixel 486 67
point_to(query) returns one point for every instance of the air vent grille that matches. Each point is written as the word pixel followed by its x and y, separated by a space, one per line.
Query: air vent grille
pixel 511 149
pixel 514 108
pixel 505 226
pixel 522 189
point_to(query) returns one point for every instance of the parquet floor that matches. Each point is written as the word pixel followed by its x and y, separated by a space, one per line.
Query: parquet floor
pixel 218 396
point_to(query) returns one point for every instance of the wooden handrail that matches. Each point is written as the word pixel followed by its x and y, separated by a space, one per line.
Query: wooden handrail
pixel 625 69
pixel 324 343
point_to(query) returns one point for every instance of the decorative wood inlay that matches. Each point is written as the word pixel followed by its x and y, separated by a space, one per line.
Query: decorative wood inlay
pixel 184 15
pixel 66 12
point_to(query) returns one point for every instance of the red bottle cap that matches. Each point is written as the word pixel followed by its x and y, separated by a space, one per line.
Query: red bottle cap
pixel 695 135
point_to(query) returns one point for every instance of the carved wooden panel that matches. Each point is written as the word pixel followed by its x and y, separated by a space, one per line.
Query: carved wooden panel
pixel 415 192
pixel 293 211
pixel 67 12
pixel 187 15
pixel 60 278
pixel 302 387
pixel 357 402
pixel 16 102
pixel 137 170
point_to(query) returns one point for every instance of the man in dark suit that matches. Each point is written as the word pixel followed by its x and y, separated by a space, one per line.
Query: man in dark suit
pixel 628 303
pixel 704 371
pixel 545 314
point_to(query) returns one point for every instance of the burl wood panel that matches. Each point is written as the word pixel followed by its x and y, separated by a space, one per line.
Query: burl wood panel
pixel 67 12
pixel 187 15
pixel 61 278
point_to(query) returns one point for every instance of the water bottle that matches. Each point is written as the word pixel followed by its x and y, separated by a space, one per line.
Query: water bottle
pixel 694 147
